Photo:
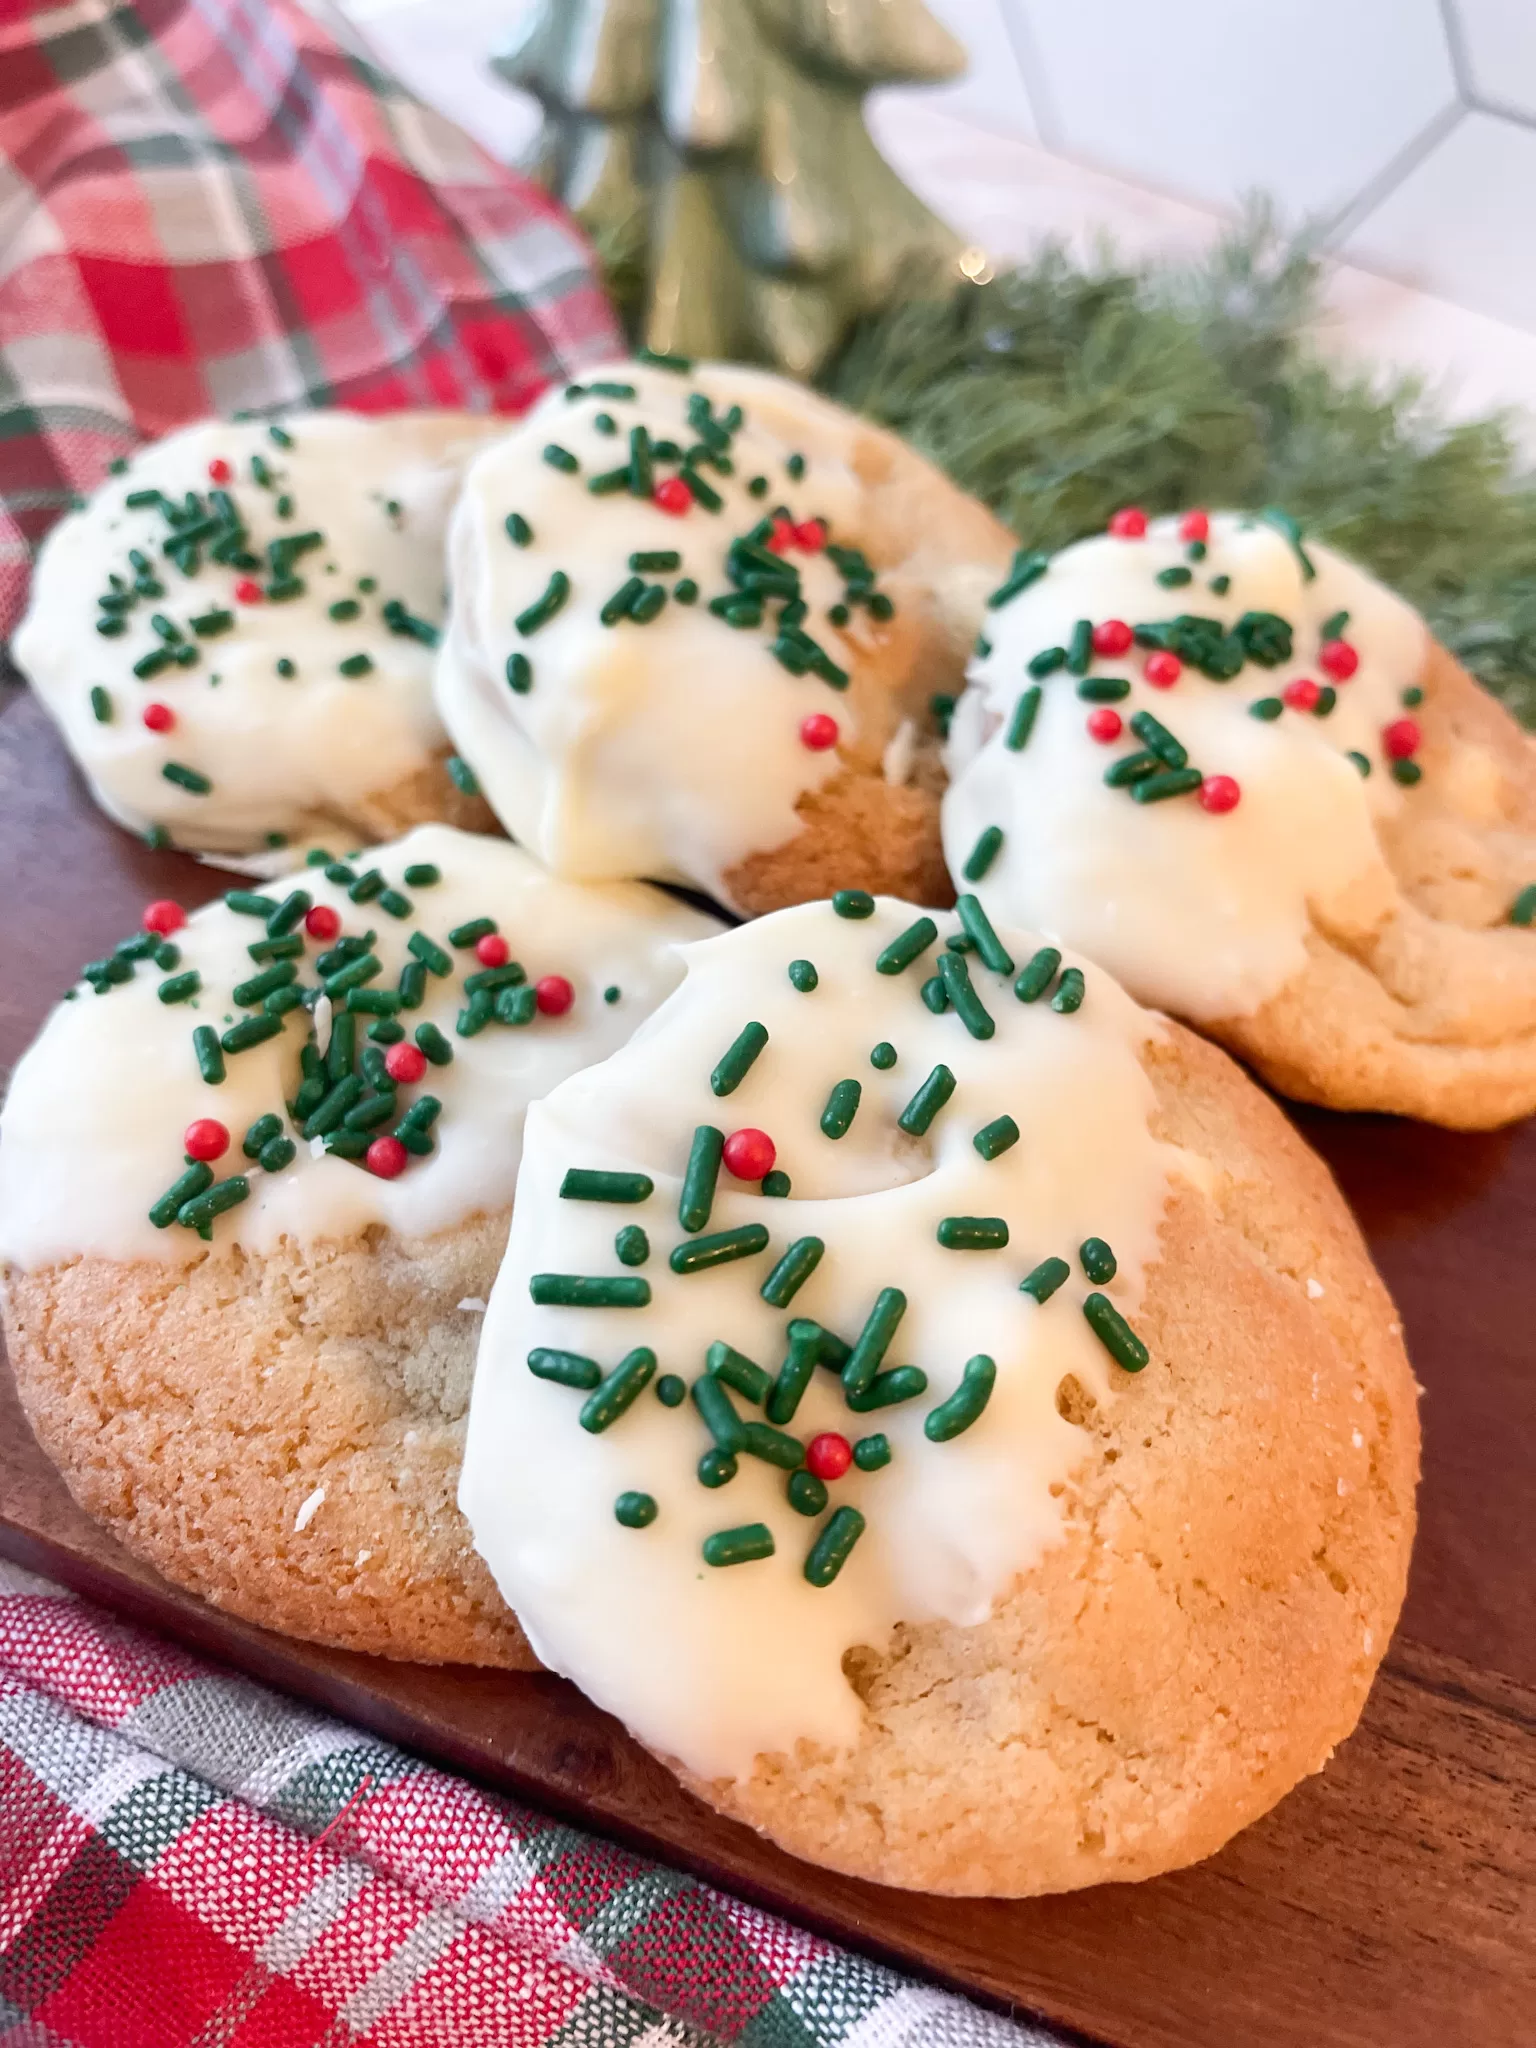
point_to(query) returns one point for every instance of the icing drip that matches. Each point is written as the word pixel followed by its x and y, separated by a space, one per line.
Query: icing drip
pixel 715 1665
pixel 296 683
pixel 1201 911
pixel 93 1126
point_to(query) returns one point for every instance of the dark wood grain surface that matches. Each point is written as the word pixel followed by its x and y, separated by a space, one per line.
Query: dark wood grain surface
pixel 1390 1901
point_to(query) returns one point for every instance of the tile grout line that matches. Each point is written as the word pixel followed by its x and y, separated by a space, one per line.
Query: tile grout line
pixel 1386 181
pixel 1456 49
pixel 1499 110
pixel 1037 90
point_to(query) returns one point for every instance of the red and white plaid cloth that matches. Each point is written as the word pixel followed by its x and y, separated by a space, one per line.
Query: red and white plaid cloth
pixel 211 206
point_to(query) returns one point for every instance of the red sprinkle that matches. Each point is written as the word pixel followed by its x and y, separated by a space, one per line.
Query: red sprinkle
pixel 828 1455
pixel 163 915
pixel 782 538
pixel 322 922
pixel 219 470
pixel 1105 724
pixel 1220 793
pixel 159 717
pixel 1162 669
pixel 405 1063
pixel 1338 659
pixel 386 1157
pixel 1129 523
pixel 555 995
pixel 1401 738
pixel 818 731
pixel 811 535
pixel 673 495
pixel 1302 695
pixel 750 1154
pixel 247 591
pixel 1195 526
pixel 1112 636
pixel 492 950
pixel 205 1139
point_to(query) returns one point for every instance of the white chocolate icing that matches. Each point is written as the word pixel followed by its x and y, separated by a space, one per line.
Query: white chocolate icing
pixel 670 749
pixel 715 1666
pixel 91 1132
pixel 1201 914
pixel 283 754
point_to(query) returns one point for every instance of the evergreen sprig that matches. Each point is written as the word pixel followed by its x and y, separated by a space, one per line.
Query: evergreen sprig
pixel 1064 389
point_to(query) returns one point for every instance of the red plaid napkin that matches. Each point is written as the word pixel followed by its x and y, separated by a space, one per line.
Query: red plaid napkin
pixel 209 206
pixel 188 1860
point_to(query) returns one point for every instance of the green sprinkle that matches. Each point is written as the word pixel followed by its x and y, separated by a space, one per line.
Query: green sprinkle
pixel 718 1413
pixel 1267 708
pixel 462 776
pixel 1155 789
pixel 261 1133
pixel 1043 1282
pixel 906 947
pixel 795 1374
pixel 806 1494
pixel 622 1387
pixel 286 915
pixel 544 607
pixel 656 561
pixel 792 1271
pixel 686 592
pixel 278 975
pixel 658 359
pixel 276 1154
pixel 580 1290
pixel 927 1102
pixel 964 1000
pixel 1115 1333
pixel 882 1056
pixel 794 468
pixel 803 976
pixel 1046 662
pixel 1098 1261
pixel 965 1405
pixel 186 778
pixel 353 975
pixel 609 481
pixel 430 954
pixel 433 1044
pixel 744 1545
pixel 561 459
pixel 151 664
pixel 703 1171
pixel 639 463
pixel 618 606
pixel 1080 648
pixel 1327 698
pixel 1130 768
pixel 887 1389
pixel 565 1368
pixel 519 532
pixel 393 904
pixel 344 608
pixel 1522 911
pixel 973 1233
pixel 1333 626
pixel 101 705
pixel 736 1370
pixel 773 1446
pixel 833 1546
pixel 775 1184
pixel 209 1054
pixel 699 1254
pixel 1037 974
pixel 467 934
pixel 736 1061
pixel 1027 569
pixel 997 1137
pixel 422 874
pixel 612 993
pixel 635 1510
pixel 280 435
pixel 983 853
pixel 1406 772
pixel 1412 697
pixel 367 886
pixel 1221 585
pixel 842 1107
pixel 873 1341
pixel 519 673
pixel 716 1468
pixel 180 987
pixel 1174 579
pixel 1069 993
pixel 195 1181
pixel 1022 723
pixel 854 903
pixel 671 1391
pixel 587 1184
pixel 1361 761
pixel 225 1194
pixel 932 993
pixel 1103 689
pixel 1157 739
pixel 978 929
pixel 517 1005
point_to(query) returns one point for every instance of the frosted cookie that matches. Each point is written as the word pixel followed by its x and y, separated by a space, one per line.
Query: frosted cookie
pixel 247 1229
pixel 1238 772
pixel 236 633
pixel 699 614
pixel 943 1410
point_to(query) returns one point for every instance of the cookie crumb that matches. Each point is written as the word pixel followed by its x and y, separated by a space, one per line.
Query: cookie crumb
pixel 308 1509
pixel 361 1558
pixel 472 1305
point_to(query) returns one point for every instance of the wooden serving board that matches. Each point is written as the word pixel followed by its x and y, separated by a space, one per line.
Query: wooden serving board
pixel 1390 1901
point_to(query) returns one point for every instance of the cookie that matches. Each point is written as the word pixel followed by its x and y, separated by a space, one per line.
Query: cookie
pixel 235 634
pixel 1238 772
pixel 247 1232
pixel 699 616
pixel 984 1457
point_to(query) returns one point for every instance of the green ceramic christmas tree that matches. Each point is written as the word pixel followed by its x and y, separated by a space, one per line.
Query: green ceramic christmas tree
pixel 716 152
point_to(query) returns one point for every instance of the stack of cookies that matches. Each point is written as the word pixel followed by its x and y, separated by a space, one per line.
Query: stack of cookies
pixel 858 1331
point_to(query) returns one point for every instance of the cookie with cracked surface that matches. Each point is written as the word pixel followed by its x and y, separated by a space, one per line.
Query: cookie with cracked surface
pixel 1041 1505
pixel 255 1177
pixel 1271 804
pixel 699 616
